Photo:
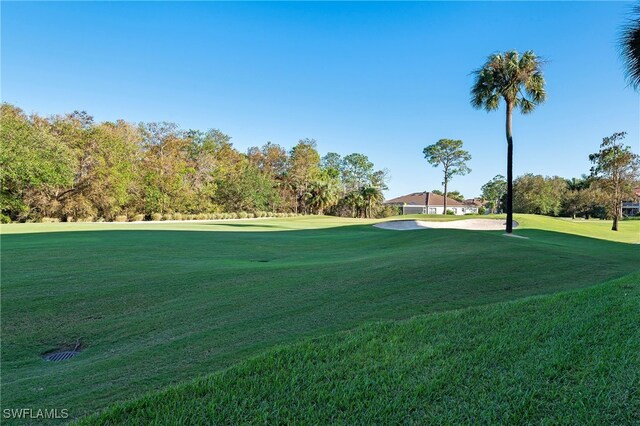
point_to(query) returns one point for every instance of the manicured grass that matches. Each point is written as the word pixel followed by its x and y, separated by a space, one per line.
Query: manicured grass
pixel 629 230
pixel 154 305
pixel 571 358
pixel 237 225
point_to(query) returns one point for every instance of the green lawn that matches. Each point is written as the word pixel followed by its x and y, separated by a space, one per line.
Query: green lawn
pixel 154 305
pixel 571 358
pixel 594 228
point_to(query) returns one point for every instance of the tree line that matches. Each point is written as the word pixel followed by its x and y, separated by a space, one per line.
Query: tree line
pixel 70 167
pixel 612 179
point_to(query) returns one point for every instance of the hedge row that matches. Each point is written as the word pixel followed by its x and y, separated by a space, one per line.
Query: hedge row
pixel 177 216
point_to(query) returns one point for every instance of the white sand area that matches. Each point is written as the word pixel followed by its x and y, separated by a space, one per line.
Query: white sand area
pixel 469 224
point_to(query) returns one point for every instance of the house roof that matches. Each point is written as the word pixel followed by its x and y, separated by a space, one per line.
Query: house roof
pixel 423 199
pixel 478 202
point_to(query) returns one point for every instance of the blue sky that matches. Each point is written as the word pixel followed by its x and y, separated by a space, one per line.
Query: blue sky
pixel 384 79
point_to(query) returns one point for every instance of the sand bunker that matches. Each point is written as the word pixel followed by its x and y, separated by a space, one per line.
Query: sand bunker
pixel 470 224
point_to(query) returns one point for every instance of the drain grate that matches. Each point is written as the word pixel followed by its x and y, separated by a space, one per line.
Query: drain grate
pixel 61 356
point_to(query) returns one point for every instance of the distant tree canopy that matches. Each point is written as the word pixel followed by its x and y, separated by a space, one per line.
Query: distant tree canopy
pixel 538 194
pixel 494 192
pixel 70 167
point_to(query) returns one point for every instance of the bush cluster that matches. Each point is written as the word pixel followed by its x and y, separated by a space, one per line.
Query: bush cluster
pixel 177 216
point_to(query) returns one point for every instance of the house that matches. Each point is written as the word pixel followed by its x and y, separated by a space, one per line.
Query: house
pixel 477 203
pixel 429 203
pixel 632 207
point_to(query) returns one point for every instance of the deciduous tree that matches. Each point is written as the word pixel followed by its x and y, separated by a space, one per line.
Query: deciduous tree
pixel 494 191
pixel 615 169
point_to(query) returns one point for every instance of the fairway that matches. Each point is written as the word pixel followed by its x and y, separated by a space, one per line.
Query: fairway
pixel 159 304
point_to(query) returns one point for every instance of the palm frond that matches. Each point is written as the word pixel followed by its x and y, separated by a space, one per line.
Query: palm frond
pixel 504 75
pixel 630 43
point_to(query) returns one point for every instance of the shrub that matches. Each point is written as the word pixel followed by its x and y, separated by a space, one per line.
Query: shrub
pixel 167 216
pixel 482 210
pixel 86 219
pixel 156 216
pixel 450 212
pixel 233 215
pixel 386 211
pixel 138 218
pixel 177 216
pixel 69 219
pixel 4 218
pixel 121 218
pixel 45 220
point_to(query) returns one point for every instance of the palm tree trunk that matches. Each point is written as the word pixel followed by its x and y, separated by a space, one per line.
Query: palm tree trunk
pixel 445 196
pixel 509 169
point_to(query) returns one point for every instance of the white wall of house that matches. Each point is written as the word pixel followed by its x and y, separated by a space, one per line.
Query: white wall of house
pixel 457 210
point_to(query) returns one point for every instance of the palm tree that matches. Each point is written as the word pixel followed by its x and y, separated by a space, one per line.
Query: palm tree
pixel 370 195
pixel 322 195
pixel 355 201
pixel 631 48
pixel 517 80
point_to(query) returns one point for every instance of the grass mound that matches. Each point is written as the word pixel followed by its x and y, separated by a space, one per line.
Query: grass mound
pixel 153 305
pixel 569 358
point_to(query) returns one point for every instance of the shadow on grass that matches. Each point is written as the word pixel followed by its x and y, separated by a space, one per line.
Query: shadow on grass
pixel 245 225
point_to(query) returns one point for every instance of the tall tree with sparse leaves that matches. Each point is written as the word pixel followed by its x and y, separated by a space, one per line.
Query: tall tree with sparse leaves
pixel 449 154
pixel 518 80
pixel 615 168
